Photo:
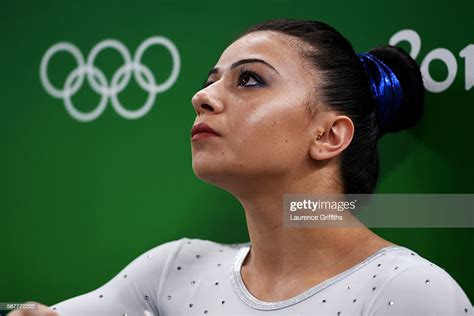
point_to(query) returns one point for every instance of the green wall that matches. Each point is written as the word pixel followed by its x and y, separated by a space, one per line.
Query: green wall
pixel 80 200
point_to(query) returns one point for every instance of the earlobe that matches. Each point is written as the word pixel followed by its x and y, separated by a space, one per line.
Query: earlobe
pixel 316 153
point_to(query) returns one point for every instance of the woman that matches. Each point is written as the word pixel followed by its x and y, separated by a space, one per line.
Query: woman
pixel 289 107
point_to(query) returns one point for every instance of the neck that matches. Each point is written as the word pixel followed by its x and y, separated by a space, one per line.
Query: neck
pixel 279 250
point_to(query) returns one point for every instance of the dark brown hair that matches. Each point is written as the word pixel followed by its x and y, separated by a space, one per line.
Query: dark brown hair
pixel 346 89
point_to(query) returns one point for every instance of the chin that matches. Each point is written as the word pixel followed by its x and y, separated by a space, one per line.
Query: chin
pixel 206 170
pixel 213 172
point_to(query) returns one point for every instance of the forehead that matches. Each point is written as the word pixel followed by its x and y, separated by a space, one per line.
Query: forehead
pixel 279 50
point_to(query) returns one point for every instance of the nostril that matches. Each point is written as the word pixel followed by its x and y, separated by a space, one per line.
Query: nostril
pixel 207 107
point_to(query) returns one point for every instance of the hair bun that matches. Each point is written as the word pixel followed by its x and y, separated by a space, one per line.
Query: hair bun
pixel 408 74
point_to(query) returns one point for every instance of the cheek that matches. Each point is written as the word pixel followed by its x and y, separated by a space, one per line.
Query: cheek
pixel 270 130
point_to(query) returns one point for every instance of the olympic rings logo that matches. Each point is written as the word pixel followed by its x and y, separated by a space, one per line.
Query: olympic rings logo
pixel 97 80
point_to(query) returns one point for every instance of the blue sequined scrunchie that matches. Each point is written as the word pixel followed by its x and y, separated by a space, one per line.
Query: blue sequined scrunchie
pixel 386 89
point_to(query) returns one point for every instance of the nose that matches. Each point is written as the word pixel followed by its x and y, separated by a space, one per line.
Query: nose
pixel 204 101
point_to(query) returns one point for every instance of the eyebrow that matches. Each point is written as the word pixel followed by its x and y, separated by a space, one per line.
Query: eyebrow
pixel 244 61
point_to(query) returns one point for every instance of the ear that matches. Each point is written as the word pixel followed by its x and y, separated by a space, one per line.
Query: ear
pixel 330 142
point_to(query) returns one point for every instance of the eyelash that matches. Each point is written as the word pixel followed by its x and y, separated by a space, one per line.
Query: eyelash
pixel 252 74
pixel 243 72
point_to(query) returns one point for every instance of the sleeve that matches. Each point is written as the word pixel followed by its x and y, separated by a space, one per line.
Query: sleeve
pixel 133 291
pixel 420 290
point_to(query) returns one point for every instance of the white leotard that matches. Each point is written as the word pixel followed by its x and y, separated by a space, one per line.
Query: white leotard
pixel 201 277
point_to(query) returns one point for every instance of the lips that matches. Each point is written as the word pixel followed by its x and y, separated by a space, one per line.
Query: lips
pixel 202 130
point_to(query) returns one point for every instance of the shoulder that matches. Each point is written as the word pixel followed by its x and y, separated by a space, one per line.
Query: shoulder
pixel 160 253
pixel 203 248
pixel 183 249
pixel 416 286
pixel 200 256
pixel 210 244
pixel 152 262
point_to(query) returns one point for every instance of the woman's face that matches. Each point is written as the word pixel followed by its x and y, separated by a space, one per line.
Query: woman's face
pixel 256 98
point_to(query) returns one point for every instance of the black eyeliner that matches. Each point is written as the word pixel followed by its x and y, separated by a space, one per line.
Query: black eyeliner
pixel 244 71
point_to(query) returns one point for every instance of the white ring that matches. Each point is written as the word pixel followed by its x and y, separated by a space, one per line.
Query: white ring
pixel 134 114
pixel 108 43
pixel 158 40
pixel 84 116
pixel 75 52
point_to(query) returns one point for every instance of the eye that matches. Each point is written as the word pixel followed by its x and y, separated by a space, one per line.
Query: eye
pixel 249 78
